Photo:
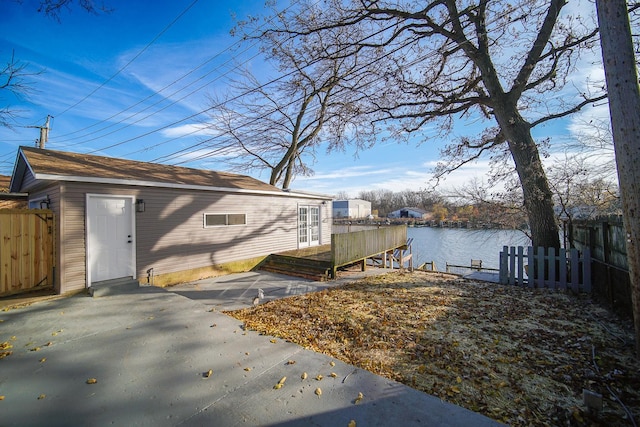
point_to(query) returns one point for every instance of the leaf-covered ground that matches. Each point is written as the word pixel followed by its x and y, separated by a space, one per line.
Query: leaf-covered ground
pixel 519 356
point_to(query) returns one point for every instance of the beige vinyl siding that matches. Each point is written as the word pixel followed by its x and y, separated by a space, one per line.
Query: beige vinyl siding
pixel 170 234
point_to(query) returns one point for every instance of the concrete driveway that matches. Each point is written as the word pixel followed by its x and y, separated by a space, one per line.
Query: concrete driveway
pixel 150 350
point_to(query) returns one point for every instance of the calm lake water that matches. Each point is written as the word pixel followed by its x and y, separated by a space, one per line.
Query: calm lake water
pixel 460 246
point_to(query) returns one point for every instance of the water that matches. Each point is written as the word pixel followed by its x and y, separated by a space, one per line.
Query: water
pixel 459 246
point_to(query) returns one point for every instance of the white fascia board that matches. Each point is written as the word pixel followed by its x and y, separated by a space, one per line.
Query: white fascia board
pixel 95 180
pixel 309 194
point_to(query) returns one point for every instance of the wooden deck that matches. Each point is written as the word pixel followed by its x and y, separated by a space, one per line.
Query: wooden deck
pixel 346 249
pixel 316 253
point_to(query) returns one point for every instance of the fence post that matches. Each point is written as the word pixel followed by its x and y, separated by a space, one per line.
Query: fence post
pixel 521 265
pixel 532 267
pixel 512 266
pixel 541 263
pixel 575 271
pixel 552 284
pixel 504 269
pixel 563 268
pixel 586 270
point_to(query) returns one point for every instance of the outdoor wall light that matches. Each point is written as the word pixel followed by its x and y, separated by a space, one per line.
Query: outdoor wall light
pixel 139 205
pixel 45 203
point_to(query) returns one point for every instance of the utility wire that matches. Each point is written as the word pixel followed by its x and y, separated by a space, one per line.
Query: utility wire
pixel 412 63
pixel 131 60
pixel 172 155
pixel 229 48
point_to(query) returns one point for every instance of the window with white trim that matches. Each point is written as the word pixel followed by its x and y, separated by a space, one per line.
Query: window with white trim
pixel 224 220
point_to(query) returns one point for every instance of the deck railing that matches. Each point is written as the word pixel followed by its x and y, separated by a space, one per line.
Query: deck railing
pixel 349 247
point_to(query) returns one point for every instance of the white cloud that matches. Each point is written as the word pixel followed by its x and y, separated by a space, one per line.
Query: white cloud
pixel 190 129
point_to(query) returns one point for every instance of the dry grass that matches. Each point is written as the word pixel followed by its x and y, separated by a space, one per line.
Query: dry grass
pixel 517 355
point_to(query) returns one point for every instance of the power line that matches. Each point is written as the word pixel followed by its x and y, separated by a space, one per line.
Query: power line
pixel 131 60
pixel 217 150
pixel 229 48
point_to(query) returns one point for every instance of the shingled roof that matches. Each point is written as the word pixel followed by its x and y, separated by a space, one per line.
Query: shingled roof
pixel 4 183
pixel 64 166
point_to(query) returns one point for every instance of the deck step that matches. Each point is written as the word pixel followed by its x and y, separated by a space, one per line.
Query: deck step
pixel 298 267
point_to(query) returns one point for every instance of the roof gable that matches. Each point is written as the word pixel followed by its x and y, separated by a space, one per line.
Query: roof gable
pixel 64 166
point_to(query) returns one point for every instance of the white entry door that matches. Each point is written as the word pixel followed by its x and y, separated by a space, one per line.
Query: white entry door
pixel 110 238
pixel 308 226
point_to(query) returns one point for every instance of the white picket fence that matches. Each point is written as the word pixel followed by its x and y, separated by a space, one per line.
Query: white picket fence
pixel 537 269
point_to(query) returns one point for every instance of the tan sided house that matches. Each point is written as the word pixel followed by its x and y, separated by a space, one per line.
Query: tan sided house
pixel 120 218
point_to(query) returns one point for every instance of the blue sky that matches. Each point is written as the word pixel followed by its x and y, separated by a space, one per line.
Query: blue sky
pixel 102 75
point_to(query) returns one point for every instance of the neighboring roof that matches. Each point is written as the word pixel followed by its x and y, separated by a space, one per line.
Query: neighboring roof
pixel 4 183
pixel 357 201
pixel 419 210
pixel 53 165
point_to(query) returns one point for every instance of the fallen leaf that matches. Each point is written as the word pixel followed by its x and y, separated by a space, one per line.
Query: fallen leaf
pixel 333 375
pixel 247 369
pixel 208 373
pixel 44 359
pixel 277 386
pixel 272 341
pixel 291 362
pixel 319 377
pixel 1 397
pixel 359 398
pixel 35 349
pixel 92 381
pixel 303 376
pixel 332 363
pixel 42 396
pixel 318 392
pixel 282 380
pixel 352 423
pixel 426 329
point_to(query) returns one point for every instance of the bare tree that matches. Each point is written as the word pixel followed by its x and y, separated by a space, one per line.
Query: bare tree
pixel 446 59
pixel 582 190
pixel 14 83
pixel 274 124
pixel 342 195
pixel 53 8
pixel 14 77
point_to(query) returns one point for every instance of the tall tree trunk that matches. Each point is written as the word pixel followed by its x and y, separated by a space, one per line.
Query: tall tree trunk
pixel 538 200
pixel 624 107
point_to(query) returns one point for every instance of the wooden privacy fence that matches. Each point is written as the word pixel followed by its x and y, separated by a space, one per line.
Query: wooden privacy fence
pixel 26 250
pixel 546 269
